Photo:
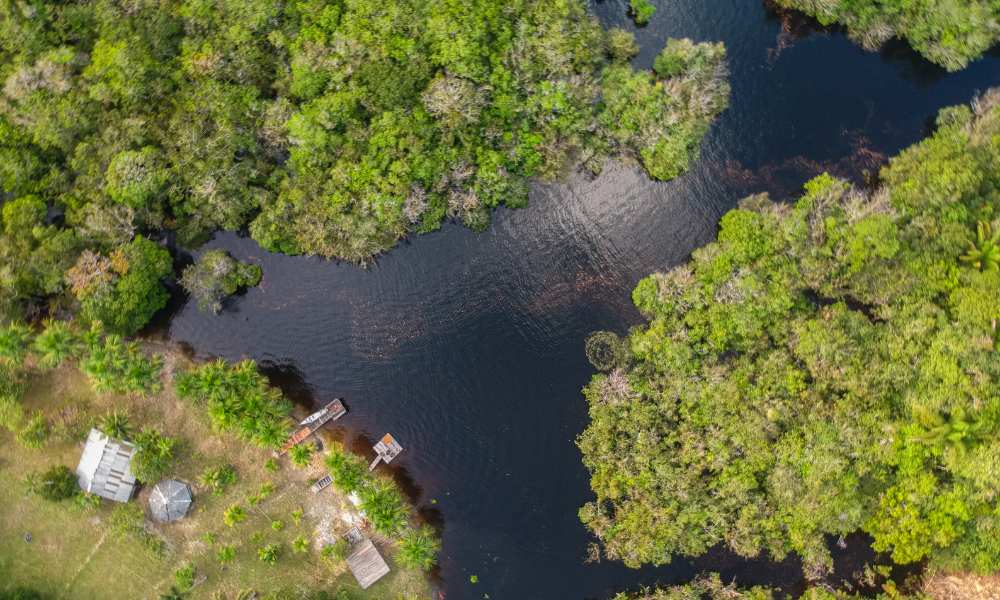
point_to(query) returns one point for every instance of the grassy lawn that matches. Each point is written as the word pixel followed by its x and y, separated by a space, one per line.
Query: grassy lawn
pixel 74 554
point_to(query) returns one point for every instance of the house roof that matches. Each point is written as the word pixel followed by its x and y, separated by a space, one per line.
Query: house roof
pixel 104 467
pixel 367 564
pixel 170 500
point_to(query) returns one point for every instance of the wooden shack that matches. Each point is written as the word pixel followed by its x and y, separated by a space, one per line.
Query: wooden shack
pixel 367 564
pixel 104 467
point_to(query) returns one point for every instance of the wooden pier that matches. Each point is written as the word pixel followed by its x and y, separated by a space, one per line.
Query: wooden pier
pixel 331 412
pixel 387 448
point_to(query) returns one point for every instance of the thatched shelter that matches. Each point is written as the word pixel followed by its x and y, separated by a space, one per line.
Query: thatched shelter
pixel 170 500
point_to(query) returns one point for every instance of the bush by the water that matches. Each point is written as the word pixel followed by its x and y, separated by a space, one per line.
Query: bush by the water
pixel 215 276
pixel 947 32
pixel 239 399
pixel 827 366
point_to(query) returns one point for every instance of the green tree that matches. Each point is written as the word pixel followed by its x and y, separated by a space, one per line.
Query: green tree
pixel 826 366
pixel 58 342
pixel 418 549
pixel 58 483
pixel 301 454
pixel 215 276
pixel 127 303
pixel 154 457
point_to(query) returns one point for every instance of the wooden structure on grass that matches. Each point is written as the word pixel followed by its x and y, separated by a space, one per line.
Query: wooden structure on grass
pixel 367 564
pixel 322 483
pixel 330 412
pixel 104 467
pixel 387 449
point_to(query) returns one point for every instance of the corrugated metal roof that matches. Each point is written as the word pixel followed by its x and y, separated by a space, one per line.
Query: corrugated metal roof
pixel 104 467
pixel 170 500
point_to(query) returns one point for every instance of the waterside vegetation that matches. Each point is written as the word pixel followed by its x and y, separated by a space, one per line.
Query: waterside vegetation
pixel 949 33
pixel 829 365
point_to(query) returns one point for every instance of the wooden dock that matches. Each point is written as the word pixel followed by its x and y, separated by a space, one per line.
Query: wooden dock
pixel 330 412
pixel 387 448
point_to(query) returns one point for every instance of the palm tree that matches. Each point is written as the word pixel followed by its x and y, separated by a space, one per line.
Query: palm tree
pixel 58 342
pixel 388 518
pixel 957 432
pixel 301 454
pixel 269 554
pixel 174 594
pixel 985 254
pixel 14 341
pixel 116 425
pixel 418 549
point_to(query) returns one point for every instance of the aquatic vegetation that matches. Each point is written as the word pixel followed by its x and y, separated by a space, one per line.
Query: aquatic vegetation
pixel 215 276
pixel 949 32
pixel 239 399
pixel 827 366
pixel 642 11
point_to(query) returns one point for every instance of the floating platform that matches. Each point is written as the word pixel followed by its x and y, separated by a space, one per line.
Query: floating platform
pixel 387 449
pixel 330 412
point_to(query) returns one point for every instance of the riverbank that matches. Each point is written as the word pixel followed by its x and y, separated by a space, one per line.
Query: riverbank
pixel 81 558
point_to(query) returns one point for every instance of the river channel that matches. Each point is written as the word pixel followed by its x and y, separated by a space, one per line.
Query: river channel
pixel 469 349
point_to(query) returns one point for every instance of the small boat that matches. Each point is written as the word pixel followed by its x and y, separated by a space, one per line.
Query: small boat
pixel 319 414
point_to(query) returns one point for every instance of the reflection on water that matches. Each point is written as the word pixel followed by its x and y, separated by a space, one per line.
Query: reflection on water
pixel 469 349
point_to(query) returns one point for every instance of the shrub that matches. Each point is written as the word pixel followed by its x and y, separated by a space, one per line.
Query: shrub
pixel 215 276
pixel 301 545
pixel 277 525
pixel 234 514
pixel 338 551
pixel 35 433
pixel 269 554
pixel 271 465
pixel 127 521
pixel 642 11
pixel 217 479
pixel 227 554
pixel 58 483
pixel 267 490
pixel 154 457
pixel 185 576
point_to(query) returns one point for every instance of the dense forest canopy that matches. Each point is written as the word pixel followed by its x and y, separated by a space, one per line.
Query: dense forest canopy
pixel 826 366
pixel 947 32
pixel 326 127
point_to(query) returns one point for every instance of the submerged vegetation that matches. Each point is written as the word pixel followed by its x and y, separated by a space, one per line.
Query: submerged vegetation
pixel 826 366
pixel 947 32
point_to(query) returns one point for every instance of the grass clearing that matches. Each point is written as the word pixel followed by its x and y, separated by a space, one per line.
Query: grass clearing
pixel 74 555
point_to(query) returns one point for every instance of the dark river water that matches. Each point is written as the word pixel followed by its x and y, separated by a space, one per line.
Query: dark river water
pixel 469 349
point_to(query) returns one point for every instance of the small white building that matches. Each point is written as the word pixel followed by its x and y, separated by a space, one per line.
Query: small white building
pixel 104 467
